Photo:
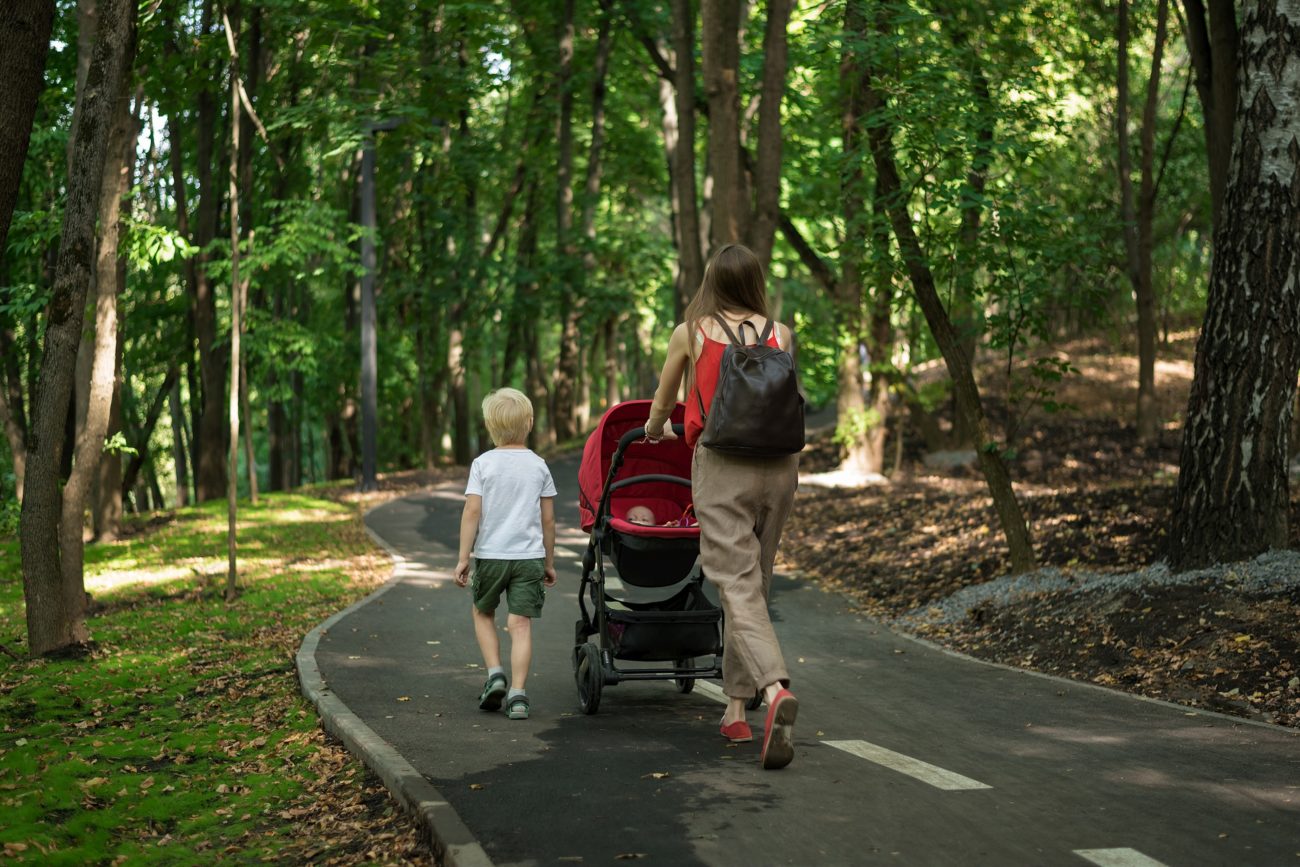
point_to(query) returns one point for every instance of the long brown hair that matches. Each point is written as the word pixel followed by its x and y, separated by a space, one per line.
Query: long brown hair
pixel 733 280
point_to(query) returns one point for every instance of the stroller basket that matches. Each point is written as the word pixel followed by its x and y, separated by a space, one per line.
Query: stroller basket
pixel 681 627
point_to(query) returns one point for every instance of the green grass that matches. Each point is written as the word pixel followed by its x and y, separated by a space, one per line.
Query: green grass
pixel 183 738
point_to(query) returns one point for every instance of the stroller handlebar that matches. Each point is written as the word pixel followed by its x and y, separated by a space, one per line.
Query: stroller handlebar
pixel 654 477
pixel 637 433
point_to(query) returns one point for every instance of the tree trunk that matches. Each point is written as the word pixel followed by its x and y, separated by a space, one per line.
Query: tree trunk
pixel 103 359
pixel 767 169
pixel 720 59
pixel 853 424
pixel 12 407
pixel 1212 42
pixel 238 294
pixel 209 434
pixel 179 439
pixel 458 388
pixel 966 312
pixel 141 456
pixel 25 27
pixel 611 360
pixel 682 156
pixel 566 374
pixel 880 138
pixel 1233 491
pixel 1148 421
pixel 51 623
pixel 106 492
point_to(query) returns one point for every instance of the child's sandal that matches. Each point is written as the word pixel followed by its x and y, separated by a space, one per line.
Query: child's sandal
pixel 493 691
pixel 517 707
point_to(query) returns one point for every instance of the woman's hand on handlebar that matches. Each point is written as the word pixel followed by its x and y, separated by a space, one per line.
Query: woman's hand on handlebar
pixel 665 432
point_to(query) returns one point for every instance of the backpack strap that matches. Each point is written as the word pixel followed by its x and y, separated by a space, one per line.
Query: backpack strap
pixel 731 335
pixel 761 339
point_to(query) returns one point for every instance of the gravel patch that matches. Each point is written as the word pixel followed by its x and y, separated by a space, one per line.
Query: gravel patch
pixel 1268 574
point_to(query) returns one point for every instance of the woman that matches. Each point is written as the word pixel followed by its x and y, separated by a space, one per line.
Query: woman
pixel 741 502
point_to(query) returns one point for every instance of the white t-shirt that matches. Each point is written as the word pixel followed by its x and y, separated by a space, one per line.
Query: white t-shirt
pixel 511 483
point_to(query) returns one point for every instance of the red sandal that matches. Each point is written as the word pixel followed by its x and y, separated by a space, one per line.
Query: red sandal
pixel 778 734
pixel 737 732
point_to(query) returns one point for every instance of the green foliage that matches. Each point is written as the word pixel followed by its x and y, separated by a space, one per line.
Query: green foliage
pixel 851 430
pixel 173 738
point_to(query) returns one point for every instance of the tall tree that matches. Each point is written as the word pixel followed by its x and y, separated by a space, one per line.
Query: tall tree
pixel 103 350
pixel 682 157
pixel 880 136
pixel 566 374
pixel 1233 490
pixel 1212 41
pixel 51 625
pixel 720 58
pixel 1138 211
pixel 761 229
pixel 25 27
pixel 24 43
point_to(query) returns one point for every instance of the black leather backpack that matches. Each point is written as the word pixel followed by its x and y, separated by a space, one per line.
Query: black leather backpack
pixel 757 408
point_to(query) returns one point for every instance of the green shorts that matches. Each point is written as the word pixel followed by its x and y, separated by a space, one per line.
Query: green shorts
pixel 520 580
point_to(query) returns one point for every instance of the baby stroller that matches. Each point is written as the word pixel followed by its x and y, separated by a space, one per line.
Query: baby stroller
pixel 620 472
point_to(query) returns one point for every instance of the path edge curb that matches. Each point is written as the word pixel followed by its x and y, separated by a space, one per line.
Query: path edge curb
pixel 450 840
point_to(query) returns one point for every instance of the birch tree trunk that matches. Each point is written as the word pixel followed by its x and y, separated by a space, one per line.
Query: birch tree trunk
pixel 1233 491
pixel 51 624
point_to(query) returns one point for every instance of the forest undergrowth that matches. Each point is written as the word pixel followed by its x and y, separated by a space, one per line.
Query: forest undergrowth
pixel 1098 501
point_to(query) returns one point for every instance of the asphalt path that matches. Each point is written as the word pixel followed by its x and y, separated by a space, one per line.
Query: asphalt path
pixel 905 754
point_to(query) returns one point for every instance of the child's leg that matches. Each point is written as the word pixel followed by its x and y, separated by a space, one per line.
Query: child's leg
pixel 485 630
pixel 521 649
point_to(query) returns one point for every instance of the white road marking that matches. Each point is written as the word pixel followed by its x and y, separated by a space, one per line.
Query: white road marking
pixel 915 768
pixel 1117 858
pixel 712 690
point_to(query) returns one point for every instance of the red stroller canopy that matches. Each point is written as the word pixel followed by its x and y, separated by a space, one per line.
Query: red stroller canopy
pixel 668 457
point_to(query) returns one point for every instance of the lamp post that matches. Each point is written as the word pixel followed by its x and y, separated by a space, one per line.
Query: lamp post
pixel 369 360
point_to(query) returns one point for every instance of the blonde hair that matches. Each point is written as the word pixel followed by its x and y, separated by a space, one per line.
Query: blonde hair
pixel 508 414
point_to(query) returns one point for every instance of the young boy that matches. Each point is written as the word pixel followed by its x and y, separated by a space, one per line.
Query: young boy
pixel 509 524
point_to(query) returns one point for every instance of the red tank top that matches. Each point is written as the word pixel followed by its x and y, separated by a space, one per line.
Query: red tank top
pixel 707 367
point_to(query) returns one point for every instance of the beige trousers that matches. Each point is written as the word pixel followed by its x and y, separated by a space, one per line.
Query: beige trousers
pixel 742 505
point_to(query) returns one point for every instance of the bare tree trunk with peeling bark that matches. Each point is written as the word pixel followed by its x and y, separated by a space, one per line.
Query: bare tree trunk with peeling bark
pixel 1233 489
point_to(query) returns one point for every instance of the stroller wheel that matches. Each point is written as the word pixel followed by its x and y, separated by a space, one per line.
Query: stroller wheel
pixel 684 684
pixel 589 677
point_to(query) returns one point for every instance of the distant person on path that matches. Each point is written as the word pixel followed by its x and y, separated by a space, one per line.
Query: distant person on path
pixel 741 502
pixel 509 525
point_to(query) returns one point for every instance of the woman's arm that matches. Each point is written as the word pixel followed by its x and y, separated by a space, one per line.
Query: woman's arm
pixel 670 381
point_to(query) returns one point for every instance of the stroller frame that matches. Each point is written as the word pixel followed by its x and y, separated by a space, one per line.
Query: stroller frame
pixel 594 664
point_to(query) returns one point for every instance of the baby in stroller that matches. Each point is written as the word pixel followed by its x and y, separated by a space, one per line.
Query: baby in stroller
pixel 641 515
pixel 645 516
